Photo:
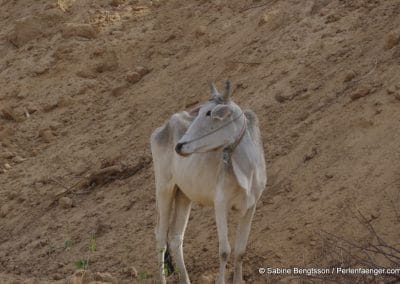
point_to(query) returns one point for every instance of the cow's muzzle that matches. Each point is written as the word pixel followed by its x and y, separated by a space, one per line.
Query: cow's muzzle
pixel 178 149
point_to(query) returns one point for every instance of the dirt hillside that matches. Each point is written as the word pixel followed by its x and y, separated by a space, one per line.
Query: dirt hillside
pixel 85 82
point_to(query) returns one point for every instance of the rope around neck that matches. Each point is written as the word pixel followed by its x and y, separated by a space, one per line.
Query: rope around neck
pixel 217 129
pixel 227 151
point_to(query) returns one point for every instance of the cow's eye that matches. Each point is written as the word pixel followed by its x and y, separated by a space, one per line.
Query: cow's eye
pixel 208 113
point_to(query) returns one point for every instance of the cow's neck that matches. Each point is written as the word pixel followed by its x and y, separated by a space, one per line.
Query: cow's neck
pixel 228 150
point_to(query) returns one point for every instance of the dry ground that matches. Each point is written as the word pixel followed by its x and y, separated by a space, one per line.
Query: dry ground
pixel 85 82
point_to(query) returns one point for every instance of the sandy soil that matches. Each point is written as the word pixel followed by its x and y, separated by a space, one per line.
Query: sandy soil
pixel 84 83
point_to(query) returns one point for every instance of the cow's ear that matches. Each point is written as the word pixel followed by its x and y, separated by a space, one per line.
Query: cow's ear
pixel 213 90
pixel 227 91
pixel 221 112
pixel 243 172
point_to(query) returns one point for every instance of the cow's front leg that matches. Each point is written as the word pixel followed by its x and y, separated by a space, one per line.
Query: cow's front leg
pixel 182 211
pixel 164 196
pixel 221 217
pixel 242 235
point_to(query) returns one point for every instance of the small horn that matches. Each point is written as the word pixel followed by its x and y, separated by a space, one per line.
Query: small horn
pixel 227 92
pixel 213 90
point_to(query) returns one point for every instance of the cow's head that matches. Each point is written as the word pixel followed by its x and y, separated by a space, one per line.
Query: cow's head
pixel 217 124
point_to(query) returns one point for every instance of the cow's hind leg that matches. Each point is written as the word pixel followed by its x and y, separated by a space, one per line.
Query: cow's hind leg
pixel 164 197
pixel 177 232
pixel 242 235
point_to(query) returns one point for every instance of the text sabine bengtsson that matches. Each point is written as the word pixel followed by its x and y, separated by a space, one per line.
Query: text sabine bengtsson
pixel 334 270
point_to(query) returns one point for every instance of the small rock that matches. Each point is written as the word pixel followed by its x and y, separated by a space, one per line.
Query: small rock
pixel 65 202
pixel 32 108
pixel 273 19
pixel 82 277
pixel 200 31
pixel 40 69
pixel 207 278
pixel 133 77
pixel 131 272
pixel 105 277
pixel 65 5
pixel 5 209
pixel 107 61
pixel 332 18
pixel 349 76
pixel 22 94
pixel 392 40
pixel 118 91
pixel 329 176
pixel 263 20
pixel 242 85
pixel 46 134
pixel 280 98
pixel 56 277
pixel 18 159
pixel 81 30
pixel 313 243
pixel 391 90
pixel 7 166
pixel 142 70
pixel 360 93
pixel 310 155
pixel 105 66
pixel 34 152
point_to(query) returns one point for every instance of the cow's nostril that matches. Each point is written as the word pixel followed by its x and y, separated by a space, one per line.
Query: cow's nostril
pixel 178 147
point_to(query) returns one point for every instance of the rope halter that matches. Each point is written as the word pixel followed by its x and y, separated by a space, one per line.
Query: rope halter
pixel 227 150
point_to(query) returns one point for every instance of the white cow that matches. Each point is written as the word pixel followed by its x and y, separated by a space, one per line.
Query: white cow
pixel 214 156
